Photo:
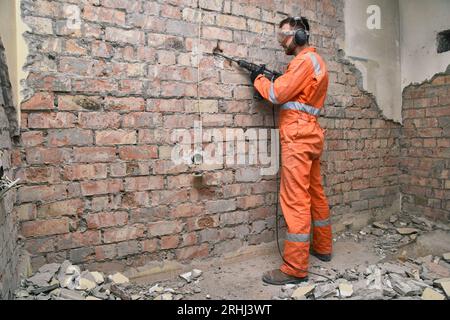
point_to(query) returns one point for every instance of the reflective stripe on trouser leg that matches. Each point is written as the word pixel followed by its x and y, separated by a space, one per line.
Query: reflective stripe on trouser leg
pixel 295 204
pixel 320 211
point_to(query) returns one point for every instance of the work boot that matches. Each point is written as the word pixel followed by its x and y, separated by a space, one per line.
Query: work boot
pixel 278 278
pixel 321 257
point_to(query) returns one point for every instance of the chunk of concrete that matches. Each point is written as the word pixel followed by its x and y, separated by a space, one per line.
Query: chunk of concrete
pixel 85 284
pixel 446 256
pixel 446 287
pixel 430 294
pixel 98 277
pixel 345 290
pixel 41 279
pixel 301 292
pixel 119 278
pixel 51 268
pixel 187 276
pixel 407 231
pixel 70 295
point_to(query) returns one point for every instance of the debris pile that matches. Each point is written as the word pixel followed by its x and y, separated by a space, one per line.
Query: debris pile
pixel 65 281
pixel 426 278
pixel 397 232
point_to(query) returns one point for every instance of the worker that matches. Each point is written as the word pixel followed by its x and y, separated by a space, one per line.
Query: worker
pixel 301 93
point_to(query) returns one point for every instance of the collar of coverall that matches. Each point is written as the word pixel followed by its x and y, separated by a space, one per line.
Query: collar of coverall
pixel 305 50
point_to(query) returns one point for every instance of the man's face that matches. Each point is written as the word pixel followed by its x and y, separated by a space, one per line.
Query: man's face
pixel 285 40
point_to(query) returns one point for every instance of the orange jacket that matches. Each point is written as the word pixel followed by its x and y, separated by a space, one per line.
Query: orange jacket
pixel 302 88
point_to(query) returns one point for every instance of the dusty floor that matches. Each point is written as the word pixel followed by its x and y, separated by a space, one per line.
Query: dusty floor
pixel 241 278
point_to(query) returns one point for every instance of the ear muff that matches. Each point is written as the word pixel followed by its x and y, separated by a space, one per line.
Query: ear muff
pixel 301 36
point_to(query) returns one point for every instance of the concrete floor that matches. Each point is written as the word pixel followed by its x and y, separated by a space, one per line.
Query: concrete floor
pixel 239 276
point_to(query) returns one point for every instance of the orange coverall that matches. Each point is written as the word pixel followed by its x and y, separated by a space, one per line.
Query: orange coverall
pixel 301 92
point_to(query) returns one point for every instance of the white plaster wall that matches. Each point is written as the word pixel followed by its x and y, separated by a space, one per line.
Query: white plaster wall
pixel 420 60
pixel 376 53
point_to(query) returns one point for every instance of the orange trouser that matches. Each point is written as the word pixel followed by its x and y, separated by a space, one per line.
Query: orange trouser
pixel 302 197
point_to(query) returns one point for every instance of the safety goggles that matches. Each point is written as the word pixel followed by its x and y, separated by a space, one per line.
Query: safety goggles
pixel 282 35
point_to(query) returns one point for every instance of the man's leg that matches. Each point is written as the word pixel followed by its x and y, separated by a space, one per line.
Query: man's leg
pixel 320 211
pixel 296 202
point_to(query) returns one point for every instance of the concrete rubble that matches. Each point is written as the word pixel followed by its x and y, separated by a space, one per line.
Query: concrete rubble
pixel 68 282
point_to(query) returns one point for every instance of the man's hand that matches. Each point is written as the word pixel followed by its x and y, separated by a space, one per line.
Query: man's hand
pixel 257 72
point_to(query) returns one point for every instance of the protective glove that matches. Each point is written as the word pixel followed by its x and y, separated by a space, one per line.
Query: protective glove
pixel 257 72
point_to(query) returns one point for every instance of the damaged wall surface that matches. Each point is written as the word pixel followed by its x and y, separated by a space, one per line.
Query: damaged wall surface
pixel 9 247
pixel 98 185
pixel 425 149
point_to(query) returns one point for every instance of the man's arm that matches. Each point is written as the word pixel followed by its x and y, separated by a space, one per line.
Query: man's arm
pixel 288 86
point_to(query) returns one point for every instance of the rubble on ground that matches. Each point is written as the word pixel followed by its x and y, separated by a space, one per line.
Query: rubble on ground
pixel 424 278
pixel 66 281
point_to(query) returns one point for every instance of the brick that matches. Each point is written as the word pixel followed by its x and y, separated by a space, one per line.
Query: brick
pixel 89 188
pixel 231 22
pixel 101 14
pixel 192 252
pixel 26 212
pixel 51 120
pixel 39 174
pixel 32 138
pixel 124 36
pixel 94 154
pixel 99 120
pixel 164 228
pixel 115 137
pixel 127 248
pixel 138 152
pixel 169 242
pixel 215 33
pixel 41 155
pixel 141 120
pixel 144 183
pixel 107 219
pixel 123 234
pixel 220 206
pixel 104 252
pixel 44 227
pixel 94 85
pixel 41 193
pixel 249 202
pixel 85 171
pixel 125 104
pixel 78 103
pixel 149 245
pixel 39 101
pixel 69 137
pixel 72 207
pixel 78 239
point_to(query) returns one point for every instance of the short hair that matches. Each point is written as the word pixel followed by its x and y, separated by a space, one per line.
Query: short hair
pixel 295 23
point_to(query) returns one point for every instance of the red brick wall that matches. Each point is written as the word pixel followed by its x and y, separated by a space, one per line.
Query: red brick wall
pixel 98 182
pixel 425 149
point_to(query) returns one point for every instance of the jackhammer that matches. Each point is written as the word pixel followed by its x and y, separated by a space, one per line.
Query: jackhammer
pixel 251 66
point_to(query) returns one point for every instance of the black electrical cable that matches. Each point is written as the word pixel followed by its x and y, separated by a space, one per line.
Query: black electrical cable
pixel 277 217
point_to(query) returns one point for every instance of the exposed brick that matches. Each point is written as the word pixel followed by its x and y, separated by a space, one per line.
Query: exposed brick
pixel 123 234
pixel 51 120
pixel 44 227
pixel 144 183
pixel 107 219
pixel 85 171
pixel 164 228
pixel 138 152
pixel 39 101
pixel 89 188
pixel 72 207
pixel 115 137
